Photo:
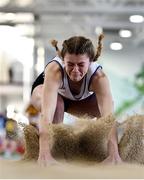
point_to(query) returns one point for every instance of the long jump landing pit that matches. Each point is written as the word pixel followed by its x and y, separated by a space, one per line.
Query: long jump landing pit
pixel 65 170
pixel 131 146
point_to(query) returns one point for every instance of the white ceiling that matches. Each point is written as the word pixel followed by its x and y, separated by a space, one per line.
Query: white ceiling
pixel 63 18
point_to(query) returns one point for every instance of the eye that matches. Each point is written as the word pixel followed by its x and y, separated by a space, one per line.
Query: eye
pixel 81 65
pixel 70 65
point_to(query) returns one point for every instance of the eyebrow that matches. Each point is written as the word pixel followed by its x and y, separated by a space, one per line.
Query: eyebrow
pixel 76 63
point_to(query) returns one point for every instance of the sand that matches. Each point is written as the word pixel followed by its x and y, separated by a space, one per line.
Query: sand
pixel 10 169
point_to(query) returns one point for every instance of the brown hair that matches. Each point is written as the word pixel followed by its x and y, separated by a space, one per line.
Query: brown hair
pixel 79 45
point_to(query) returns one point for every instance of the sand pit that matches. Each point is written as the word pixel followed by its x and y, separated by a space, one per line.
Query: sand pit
pixel 69 168
pixel 87 140
pixel 66 170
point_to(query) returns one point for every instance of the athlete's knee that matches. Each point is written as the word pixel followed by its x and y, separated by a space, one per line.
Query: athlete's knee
pixel 59 112
pixel 36 97
pixel 60 103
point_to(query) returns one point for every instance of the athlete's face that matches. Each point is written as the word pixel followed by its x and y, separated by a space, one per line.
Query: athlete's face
pixel 76 66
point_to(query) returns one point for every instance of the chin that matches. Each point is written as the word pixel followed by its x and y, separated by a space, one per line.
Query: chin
pixel 76 79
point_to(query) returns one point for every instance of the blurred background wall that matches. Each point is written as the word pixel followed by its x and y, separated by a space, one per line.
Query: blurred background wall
pixel 28 26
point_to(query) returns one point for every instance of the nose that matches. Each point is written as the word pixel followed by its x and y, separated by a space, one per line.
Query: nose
pixel 75 68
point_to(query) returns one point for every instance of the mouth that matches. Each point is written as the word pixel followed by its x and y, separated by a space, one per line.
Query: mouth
pixel 75 74
pixel 75 78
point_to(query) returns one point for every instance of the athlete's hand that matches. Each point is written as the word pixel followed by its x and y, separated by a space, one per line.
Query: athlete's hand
pixel 113 160
pixel 45 158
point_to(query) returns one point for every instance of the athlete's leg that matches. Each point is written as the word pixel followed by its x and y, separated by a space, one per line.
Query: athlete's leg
pixel 59 112
pixel 88 106
pixel 36 99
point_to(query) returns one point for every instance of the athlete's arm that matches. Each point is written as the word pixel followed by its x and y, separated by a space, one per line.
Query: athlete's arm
pixel 100 85
pixel 52 82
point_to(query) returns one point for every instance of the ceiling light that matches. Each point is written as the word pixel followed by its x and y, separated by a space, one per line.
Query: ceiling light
pixel 125 33
pixel 116 46
pixel 136 19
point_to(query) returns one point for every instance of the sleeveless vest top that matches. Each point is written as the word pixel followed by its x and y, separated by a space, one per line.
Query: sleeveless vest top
pixel 65 90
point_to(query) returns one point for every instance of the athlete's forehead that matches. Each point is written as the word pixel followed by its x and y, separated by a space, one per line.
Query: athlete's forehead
pixel 73 58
